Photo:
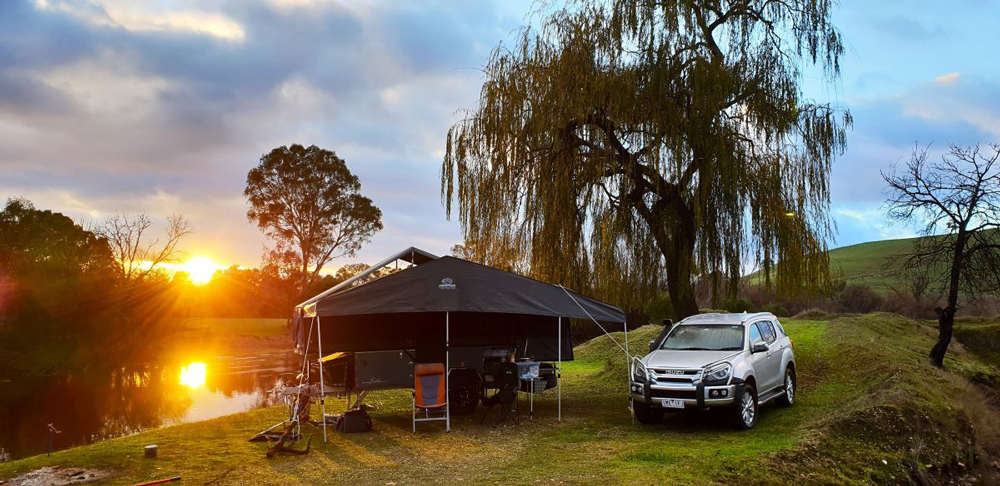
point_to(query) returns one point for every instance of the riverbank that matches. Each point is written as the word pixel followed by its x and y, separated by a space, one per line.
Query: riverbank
pixel 870 410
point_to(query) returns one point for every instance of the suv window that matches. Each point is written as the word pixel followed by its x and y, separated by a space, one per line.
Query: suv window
pixel 754 334
pixel 705 337
pixel 767 331
pixel 781 330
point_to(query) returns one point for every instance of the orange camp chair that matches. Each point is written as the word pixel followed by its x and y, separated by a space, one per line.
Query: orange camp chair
pixel 429 394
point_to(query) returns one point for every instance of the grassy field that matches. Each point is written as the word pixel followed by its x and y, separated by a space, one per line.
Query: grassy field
pixel 981 336
pixel 870 410
pixel 869 263
pixel 872 264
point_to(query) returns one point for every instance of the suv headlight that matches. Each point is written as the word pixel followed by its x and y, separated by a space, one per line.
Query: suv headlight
pixel 717 374
pixel 639 372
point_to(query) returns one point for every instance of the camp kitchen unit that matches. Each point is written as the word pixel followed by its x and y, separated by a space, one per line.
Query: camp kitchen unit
pixel 370 334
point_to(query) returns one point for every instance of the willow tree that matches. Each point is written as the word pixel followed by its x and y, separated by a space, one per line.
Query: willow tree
pixel 653 142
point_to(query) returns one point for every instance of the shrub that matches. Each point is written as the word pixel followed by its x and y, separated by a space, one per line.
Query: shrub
pixel 859 299
pixel 775 309
pixel 815 315
pixel 659 308
pixel 737 305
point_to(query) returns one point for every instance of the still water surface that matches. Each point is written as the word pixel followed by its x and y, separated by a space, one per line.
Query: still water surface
pixel 93 406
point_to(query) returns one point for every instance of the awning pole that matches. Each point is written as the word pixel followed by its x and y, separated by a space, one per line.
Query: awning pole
pixel 322 387
pixel 447 373
pixel 628 362
pixel 559 370
pixel 305 354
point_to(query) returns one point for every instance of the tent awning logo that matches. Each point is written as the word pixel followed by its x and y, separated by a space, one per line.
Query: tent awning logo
pixel 446 284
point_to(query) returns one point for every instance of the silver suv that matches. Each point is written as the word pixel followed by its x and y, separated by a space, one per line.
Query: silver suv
pixel 736 361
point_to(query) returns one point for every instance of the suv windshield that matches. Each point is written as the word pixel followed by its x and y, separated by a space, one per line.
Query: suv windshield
pixel 705 337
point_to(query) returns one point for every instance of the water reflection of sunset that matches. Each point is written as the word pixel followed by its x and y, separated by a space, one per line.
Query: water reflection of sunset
pixel 193 375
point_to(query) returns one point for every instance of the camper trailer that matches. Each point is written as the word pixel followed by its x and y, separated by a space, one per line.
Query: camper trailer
pixel 373 334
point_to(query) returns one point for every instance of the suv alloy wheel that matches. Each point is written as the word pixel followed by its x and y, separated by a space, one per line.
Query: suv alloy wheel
pixel 788 399
pixel 745 408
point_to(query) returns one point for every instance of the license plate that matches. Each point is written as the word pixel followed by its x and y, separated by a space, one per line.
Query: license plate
pixel 672 403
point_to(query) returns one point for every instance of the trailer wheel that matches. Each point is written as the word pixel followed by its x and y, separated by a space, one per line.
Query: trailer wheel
pixel 464 391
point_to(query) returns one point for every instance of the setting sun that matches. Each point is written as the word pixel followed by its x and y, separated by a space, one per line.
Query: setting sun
pixel 193 375
pixel 200 270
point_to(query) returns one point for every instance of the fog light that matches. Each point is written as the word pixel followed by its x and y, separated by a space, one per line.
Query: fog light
pixel 723 393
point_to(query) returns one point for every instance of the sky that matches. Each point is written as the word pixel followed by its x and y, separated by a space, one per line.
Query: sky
pixel 163 106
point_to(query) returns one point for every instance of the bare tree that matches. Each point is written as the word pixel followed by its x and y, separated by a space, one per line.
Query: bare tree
pixel 958 202
pixel 136 254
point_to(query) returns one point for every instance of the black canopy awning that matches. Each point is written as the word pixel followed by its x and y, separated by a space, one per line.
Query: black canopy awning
pixel 450 284
pixel 408 307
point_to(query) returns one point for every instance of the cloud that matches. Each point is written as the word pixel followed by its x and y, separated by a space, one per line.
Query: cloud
pixel 106 86
pixel 970 99
pixel 946 78
pixel 137 17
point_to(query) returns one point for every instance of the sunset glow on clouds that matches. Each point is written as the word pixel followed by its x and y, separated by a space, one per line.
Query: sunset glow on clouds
pixel 119 105
pixel 147 17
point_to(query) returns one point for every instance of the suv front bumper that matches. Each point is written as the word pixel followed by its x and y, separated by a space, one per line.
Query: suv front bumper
pixel 699 396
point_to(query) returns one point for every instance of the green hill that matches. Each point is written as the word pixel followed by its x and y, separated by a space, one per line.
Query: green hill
pixel 869 263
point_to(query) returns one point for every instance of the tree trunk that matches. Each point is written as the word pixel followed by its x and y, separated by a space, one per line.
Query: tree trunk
pixel 680 289
pixel 680 267
pixel 946 316
pixel 946 324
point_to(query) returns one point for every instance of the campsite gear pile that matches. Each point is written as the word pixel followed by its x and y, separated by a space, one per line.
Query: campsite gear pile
pixel 293 426
pixel 354 421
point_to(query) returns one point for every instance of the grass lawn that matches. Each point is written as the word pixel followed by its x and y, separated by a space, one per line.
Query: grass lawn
pixel 870 410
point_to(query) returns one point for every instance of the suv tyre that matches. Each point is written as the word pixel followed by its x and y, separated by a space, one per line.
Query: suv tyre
pixel 791 388
pixel 647 414
pixel 744 411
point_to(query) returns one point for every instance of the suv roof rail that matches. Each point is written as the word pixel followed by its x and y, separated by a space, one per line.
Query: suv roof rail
pixel 732 317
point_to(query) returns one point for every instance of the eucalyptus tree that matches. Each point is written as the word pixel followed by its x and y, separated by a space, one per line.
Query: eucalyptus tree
pixel 958 201
pixel 640 142
pixel 309 202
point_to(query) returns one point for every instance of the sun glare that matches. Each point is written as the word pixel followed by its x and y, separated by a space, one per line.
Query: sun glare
pixel 200 270
pixel 193 375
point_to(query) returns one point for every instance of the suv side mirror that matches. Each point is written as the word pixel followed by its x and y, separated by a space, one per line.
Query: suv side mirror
pixel 758 347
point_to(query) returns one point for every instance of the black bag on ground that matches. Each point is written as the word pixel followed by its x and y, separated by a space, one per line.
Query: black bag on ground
pixel 356 420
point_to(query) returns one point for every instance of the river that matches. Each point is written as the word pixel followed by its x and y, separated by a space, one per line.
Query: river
pixel 91 406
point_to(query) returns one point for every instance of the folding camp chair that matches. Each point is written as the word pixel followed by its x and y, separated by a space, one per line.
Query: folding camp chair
pixel 429 394
pixel 505 376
